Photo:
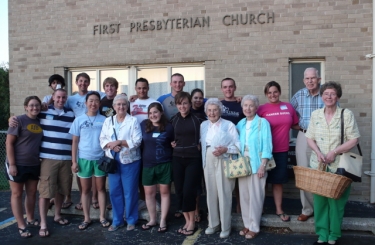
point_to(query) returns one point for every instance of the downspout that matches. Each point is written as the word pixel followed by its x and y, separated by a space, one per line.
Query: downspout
pixel 372 171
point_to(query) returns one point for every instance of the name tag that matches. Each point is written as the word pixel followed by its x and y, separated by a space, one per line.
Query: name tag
pixel 283 107
pixel 155 135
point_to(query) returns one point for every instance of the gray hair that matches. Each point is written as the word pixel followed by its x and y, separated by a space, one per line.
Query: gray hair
pixel 213 101
pixel 313 69
pixel 121 97
pixel 251 97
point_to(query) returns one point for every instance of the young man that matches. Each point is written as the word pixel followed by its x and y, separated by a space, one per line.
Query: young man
pixel 305 101
pixel 53 83
pixel 110 86
pixel 167 100
pixel 55 152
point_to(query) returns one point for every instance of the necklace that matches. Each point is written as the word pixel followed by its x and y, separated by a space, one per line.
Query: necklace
pixel 91 122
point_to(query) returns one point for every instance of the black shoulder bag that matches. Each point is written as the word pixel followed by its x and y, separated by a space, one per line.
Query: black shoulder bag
pixel 106 164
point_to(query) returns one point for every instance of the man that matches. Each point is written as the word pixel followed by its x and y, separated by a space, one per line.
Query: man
pixel 305 101
pixel 232 111
pixel 110 86
pixel 56 155
pixel 139 110
pixel 167 100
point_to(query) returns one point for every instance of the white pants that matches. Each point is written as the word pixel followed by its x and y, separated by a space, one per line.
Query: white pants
pixel 303 153
pixel 252 194
pixel 219 192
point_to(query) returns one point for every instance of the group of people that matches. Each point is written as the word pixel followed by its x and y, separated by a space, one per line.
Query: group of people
pixel 180 137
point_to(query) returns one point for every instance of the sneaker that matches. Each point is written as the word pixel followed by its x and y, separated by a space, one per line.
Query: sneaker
pixel 158 207
pixel 225 234
pixel 210 231
pixel 141 205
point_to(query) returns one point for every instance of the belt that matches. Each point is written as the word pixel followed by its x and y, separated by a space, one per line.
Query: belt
pixel 302 130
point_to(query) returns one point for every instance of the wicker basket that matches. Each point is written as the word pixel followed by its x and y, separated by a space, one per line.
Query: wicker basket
pixel 320 182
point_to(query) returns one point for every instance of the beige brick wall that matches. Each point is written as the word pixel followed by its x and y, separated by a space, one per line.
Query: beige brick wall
pixel 46 36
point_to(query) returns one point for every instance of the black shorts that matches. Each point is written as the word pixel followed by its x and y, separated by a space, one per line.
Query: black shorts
pixel 24 173
pixel 279 175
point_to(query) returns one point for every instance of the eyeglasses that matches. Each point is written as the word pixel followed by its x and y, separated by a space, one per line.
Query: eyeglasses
pixel 34 106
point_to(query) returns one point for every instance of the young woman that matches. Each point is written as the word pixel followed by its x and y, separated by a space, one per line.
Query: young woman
pixel 86 151
pixel 157 136
pixel 23 165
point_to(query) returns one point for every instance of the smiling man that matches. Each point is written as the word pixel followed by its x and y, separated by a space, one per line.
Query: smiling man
pixel 305 101
pixel 110 86
pixel 139 107
pixel 232 110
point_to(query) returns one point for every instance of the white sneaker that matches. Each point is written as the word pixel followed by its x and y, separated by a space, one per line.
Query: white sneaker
pixel 225 234
pixel 210 231
pixel 158 206
pixel 141 205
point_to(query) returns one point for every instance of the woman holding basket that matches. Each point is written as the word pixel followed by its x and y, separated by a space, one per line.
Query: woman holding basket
pixel 324 137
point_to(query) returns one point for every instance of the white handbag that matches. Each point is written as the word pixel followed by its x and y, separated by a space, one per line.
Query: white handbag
pixel 350 164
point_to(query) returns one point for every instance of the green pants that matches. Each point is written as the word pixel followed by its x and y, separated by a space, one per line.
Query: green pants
pixel 328 214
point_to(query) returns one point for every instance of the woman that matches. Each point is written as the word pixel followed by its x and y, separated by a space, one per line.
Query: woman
pixel 157 135
pixel 121 138
pixel 256 142
pixel 282 117
pixel 187 167
pixel 197 107
pixel 219 138
pixel 23 165
pixel 86 152
pixel 324 138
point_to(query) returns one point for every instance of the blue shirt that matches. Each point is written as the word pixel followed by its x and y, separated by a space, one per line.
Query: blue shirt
pixel 304 103
pixel 170 108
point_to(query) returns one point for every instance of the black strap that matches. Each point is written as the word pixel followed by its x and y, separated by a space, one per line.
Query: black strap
pixel 342 132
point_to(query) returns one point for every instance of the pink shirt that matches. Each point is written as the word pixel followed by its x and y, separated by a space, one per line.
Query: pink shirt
pixel 281 117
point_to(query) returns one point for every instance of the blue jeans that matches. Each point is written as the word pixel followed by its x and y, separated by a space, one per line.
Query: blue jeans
pixel 123 188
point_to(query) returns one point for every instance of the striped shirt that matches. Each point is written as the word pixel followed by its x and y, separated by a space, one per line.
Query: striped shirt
pixel 56 141
pixel 304 104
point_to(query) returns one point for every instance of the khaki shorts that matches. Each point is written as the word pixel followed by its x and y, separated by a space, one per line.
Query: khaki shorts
pixel 55 176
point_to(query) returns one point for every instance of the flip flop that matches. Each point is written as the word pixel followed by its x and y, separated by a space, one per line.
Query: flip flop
pixel 283 217
pixel 163 229
pixel 78 206
pixel 84 225
pixel 146 227
pixel 66 205
pixel 251 235
pixel 178 214
pixel 62 221
pixel 33 224
pixel 197 218
pixel 104 223
pixel 95 205
pixel 24 233
pixel 115 228
pixel 44 232
pixel 244 231
pixel 181 230
pixel 192 232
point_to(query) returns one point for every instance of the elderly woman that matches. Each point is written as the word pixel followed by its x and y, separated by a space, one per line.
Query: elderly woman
pixel 219 138
pixel 256 142
pixel 324 138
pixel 121 138
pixel 186 161
pixel 282 117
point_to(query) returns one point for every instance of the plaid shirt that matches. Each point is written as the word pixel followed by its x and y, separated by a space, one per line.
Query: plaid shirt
pixel 305 104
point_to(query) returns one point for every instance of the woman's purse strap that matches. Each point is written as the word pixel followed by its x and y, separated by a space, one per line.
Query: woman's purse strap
pixel 114 131
pixel 342 132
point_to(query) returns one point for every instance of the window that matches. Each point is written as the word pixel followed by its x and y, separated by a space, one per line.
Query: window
pixel 158 76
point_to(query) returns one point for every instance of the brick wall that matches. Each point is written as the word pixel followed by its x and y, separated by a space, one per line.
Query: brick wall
pixel 45 36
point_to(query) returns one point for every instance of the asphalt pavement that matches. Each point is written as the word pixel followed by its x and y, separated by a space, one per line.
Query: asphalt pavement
pixel 280 233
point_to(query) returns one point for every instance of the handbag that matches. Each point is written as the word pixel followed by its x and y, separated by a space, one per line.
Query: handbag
pixel 107 164
pixel 350 164
pixel 237 166
pixel 271 164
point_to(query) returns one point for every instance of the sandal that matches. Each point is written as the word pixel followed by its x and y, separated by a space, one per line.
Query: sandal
pixel 95 205
pixel 62 221
pixel 104 223
pixel 84 225
pixel 130 227
pixel 163 229
pixel 146 227
pixel 197 218
pixel 43 232
pixel 244 231
pixel 251 235
pixel 33 224
pixel 190 232
pixel 178 214
pixel 284 217
pixel 115 228
pixel 24 233
pixel 66 205
pixel 78 206
pixel 181 230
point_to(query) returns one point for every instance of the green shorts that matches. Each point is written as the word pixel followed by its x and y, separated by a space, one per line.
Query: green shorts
pixel 88 168
pixel 160 174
